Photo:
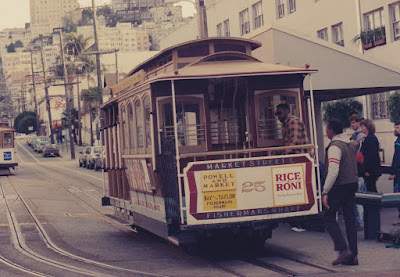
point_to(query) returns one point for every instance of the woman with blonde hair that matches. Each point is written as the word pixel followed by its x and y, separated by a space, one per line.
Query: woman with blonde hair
pixel 371 167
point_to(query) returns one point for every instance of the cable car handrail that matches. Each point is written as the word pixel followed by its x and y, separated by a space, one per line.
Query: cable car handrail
pixel 240 151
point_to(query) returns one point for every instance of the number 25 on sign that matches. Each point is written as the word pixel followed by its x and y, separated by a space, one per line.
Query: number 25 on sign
pixel 256 186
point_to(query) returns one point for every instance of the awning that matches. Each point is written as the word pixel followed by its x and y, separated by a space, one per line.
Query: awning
pixel 341 72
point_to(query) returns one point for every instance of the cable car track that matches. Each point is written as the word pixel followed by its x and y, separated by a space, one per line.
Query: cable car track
pixel 20 245
pixel 47 169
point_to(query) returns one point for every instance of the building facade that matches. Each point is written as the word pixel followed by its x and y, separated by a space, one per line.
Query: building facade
pixel 48 14
pixel 125 37
pixel 368 27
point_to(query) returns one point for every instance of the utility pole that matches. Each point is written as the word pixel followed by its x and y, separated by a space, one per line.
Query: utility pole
pixel 79 111
pixel 98 69
pixel 46 91
pixel 68 106
pixel 98 66
pixel 34 94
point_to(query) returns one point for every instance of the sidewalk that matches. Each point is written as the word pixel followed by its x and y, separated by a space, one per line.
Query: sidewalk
pixel 65 151
pixel 374 257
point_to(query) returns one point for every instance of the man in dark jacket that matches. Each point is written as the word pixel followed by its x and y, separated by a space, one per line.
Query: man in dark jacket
pixel 395 168
pixel 339 191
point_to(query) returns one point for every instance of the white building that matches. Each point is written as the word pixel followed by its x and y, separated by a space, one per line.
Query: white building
pixel 48 14
pixel 124 37
pixel 335 22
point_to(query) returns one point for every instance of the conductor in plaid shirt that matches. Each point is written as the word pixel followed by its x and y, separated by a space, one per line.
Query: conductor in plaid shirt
pixel 293 130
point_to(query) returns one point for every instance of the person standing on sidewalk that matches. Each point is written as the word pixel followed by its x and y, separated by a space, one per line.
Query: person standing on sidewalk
pixel 395 168
pixel 370 149
pixel 339 191
pixel 358 136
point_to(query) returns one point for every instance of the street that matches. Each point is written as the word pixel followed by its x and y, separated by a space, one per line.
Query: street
pixel 53 224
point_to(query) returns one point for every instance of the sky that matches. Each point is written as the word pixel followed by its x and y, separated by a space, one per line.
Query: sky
pixel 15 13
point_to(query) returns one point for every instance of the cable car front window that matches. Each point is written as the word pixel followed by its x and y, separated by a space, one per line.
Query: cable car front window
pixel 188 123
pixel 269 128
pixel 7 140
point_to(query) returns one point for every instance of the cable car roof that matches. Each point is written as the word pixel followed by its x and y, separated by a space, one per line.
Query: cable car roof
pixel 236 68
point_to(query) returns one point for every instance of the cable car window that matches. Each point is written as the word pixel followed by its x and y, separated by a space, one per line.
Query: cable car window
pixel 7 140
pixel 124 130
pixel 147 111
pixel 199 50
pixel 269 128
pixel 131 127
pixel 190 122
pixel 219 47
pixel 139 123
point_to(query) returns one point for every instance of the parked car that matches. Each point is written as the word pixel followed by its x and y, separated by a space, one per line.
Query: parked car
pixel 91 156
pixel 51 150
pixel 30 140
pixel 20 136
pixel 38 140
pixel 83 155
pixel 40 146
pixel 100 162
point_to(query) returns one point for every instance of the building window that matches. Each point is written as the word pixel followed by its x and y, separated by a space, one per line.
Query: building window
pixel 227 31
pixel 337 34
pixel 373 20
pixel 258 17
pixel 292 6
pixel 395 19
pixel 379 105
pixel 373 33
pixel 244 22
pixel 323 34
pixel 280 8
pixel 219 30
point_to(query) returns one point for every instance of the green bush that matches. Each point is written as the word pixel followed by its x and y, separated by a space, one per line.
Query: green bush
pixel 25 123
pixel 21 116
pixel 342 110
pixel 394 107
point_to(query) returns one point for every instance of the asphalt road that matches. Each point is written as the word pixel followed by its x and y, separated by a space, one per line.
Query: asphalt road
pixel 57 210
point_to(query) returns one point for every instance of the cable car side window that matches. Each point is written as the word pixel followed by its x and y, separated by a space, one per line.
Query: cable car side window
pixel 139 123
pixel 124 139
pixel 131 129
pixel 147 111
pixel 269 128
pixel 7 140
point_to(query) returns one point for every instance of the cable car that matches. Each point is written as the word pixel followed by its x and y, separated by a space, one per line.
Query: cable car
pixel 7 149
pixel 194 148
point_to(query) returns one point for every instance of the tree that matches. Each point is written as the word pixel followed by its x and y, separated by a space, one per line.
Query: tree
pixel 11 48
pixel 21 116
pixel 75 44
pixel 25 123
pixel 342 110
pixel 19 44
pixel 394 107
pixel 87 17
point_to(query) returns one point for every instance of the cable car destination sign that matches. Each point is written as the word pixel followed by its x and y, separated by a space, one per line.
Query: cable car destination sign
pixel 128 81
pixel 243 188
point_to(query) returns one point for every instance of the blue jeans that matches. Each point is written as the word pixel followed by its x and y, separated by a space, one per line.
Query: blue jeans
pixel 359 208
